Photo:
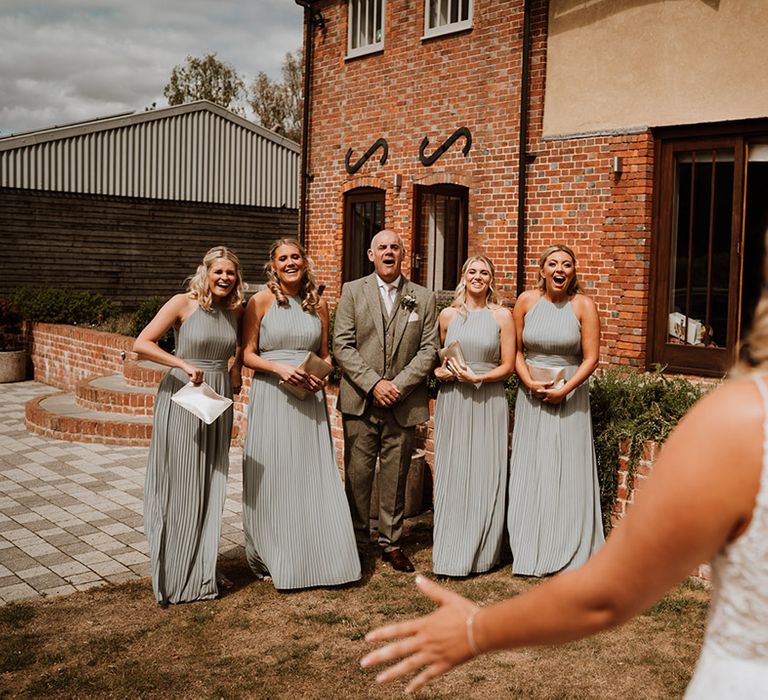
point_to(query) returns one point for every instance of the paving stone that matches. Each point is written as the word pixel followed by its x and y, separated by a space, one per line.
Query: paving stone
pixel 131 558
pixel 69 568
pixel 35 571
pixel 64 589
pixel 19 591
pixel 42 583
pixel 86 577
pixel 71 515
pixel 89 586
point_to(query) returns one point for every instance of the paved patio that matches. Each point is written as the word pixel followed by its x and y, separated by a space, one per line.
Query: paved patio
pixel 71 513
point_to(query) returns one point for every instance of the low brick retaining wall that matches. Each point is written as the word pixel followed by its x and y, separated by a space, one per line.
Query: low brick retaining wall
pixel 63 355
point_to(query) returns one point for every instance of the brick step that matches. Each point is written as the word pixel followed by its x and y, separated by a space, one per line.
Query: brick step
pixel 112 394
pixel 58 416
pixel 144 373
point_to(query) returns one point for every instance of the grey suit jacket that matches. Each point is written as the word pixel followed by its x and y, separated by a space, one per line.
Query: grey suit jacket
pixel 358 348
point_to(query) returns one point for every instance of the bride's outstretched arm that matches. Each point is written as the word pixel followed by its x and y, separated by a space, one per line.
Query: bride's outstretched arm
pixel 700 496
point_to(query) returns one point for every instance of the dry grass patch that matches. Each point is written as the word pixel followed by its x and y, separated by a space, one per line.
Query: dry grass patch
pixel 115 642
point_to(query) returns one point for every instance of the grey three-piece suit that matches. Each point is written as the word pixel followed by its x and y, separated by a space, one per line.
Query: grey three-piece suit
pixel 369 345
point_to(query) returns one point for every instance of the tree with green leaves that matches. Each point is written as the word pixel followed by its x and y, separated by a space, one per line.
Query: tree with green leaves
pixel 278 105
pixel 206 78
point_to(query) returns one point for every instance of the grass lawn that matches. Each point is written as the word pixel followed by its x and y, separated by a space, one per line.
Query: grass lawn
pixel 116 642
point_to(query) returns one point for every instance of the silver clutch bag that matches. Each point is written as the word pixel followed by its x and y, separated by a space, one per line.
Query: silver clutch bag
pixel 201 401
pixel 554 376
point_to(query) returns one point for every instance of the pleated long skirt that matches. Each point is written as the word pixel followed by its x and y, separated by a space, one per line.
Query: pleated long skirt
pixel 296 518
pixel 185 489
pixel 554 516
pixel 471 429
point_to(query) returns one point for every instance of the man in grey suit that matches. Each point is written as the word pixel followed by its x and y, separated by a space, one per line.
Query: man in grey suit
pixel 385 340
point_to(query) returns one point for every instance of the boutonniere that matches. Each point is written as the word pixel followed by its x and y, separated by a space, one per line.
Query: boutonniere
pixel 408 302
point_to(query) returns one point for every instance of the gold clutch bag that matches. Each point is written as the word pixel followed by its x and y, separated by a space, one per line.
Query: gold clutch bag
pixel 452 351
pixel 311 364
pixel 554 376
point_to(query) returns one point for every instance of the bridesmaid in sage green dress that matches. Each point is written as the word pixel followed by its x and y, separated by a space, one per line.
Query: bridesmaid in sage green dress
pixel 554 497
pixel 186 480
pixel 298 529
pixel 472 426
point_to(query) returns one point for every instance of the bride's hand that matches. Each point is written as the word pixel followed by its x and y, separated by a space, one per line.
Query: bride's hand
pixel 435 643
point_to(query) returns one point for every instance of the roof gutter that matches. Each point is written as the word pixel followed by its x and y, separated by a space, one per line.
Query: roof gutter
pixel 522 158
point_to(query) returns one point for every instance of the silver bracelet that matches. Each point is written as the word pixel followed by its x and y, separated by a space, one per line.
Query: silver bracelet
pixel 471 633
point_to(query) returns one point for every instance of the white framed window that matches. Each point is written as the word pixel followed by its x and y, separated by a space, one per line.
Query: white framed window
pixel 446 16
pixel 365 27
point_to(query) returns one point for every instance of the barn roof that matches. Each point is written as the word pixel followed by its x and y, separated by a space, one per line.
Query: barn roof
pixel 193 152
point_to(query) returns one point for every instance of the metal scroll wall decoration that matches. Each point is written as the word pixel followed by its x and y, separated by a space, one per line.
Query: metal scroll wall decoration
pixel 379 143
pixel 430 160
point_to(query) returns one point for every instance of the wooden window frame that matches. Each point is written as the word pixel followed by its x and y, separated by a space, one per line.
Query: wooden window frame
pixel 692 359
pixel 358 195
pixel 445 190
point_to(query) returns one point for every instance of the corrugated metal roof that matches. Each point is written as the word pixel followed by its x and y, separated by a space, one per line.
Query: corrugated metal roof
pixel 196 152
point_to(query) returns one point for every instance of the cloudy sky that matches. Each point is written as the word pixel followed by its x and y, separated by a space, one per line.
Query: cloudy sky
pixel 69 60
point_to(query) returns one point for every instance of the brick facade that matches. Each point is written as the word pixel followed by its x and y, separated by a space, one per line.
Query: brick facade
pixel 416 88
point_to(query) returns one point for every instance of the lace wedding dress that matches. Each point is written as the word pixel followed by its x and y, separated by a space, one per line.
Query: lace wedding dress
pixel 734 658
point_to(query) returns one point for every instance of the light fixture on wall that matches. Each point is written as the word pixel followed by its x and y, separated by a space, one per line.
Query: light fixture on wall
pixel 617 165
pixel 397 183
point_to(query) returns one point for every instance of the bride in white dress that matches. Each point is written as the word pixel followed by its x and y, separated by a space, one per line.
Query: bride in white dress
pixel 706 500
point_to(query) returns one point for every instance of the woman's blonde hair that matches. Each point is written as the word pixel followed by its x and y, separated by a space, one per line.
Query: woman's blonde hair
pixel 197 284
pixel 460 296
pixel 308 291
pixel 574 287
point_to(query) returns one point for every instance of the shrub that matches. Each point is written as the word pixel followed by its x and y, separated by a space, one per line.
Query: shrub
pixel 51 305
pixel 143 315
pixel 633 407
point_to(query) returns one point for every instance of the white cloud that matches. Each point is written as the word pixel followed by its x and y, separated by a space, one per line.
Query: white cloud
pixel 69 60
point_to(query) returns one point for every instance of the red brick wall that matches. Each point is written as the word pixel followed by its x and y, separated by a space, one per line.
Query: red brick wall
pixel 63 355
pixel 625 496
pixel 416 88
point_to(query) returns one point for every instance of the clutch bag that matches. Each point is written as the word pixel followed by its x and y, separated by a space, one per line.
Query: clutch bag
pixel 554 376
pixel 311 364
pixel 452 351
pixel 202 401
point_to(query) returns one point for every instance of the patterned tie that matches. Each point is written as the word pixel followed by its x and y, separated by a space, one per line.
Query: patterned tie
pixel 390 291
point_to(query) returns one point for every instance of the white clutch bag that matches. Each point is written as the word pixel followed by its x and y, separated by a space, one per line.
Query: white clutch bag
pixel 201 401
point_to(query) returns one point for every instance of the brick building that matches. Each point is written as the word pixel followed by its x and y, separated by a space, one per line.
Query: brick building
pixel 636 132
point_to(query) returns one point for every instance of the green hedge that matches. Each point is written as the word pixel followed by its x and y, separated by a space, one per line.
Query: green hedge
pixel 51 305
pixel 634 407
pixel 144 314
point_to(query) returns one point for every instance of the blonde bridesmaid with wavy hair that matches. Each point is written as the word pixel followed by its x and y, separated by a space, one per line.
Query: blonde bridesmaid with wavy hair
pixel 298 530
pixel 472 425
pixel 186 479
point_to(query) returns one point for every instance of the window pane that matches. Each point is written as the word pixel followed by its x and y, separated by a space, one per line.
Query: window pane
pixel 365 219
pixel 698 308
pixel 441 236
pixel 755 227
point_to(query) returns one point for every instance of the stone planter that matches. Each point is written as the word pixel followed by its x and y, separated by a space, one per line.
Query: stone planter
pixel 13 366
